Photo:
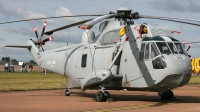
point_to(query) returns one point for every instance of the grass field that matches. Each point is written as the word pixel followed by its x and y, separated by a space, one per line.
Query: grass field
pixel 38 81
pixel 30 81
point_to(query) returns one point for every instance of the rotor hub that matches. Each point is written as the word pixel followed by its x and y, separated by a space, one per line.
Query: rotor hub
pixel 124 13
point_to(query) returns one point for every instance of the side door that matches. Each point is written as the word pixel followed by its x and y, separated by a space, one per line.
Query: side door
pixel 84 63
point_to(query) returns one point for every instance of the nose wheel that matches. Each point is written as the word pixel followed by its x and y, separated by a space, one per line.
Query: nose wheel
pixel 67 92
pixel 167 95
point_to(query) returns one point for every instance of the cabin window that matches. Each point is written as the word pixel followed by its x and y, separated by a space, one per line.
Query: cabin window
pixel 110 38
pixel 84 60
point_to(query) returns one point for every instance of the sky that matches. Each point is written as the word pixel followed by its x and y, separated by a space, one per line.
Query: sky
pixel 20 33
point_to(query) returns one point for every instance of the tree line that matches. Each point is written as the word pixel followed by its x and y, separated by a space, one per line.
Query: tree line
pixel 14 61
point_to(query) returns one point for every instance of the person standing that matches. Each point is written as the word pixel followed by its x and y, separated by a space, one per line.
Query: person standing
pixel 6 67
pixel 12 68
pixel 30 68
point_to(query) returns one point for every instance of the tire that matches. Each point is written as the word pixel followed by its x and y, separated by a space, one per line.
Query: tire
pixel 164 96
pixel 100 97
pixel 171 94
pixel 67 92
pixel 107 94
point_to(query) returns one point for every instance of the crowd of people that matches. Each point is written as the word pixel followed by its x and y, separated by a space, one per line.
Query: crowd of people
pixel 10 68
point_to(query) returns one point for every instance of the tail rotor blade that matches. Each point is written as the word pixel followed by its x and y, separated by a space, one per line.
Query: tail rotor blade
pixel 47 39
pixel 191 56
pixel 35 30
pixel 42 47
pixel 189 46
pixel 45 24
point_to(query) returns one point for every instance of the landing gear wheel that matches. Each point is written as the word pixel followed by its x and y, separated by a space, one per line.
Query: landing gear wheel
pixel 100 97
pixel 168 95
pixel 164 96
pixel 67 92
pixel 107 94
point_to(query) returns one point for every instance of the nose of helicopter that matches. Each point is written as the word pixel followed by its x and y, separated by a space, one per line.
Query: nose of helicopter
pixel 179 69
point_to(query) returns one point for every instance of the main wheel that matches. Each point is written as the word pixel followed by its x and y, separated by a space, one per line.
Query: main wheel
pixel 107 94
pixel 67 92
pixel 171 95
pixel 164 96
pixel 167 95
pixel 100 97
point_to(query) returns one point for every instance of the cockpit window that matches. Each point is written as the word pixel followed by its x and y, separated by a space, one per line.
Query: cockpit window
pixel 172 47
pixel 142 51
pixel 179 48
pixel 154 50
pixel 164 49
pixel 146 52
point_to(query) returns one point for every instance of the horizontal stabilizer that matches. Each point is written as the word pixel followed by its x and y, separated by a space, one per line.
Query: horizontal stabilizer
pixel 18 46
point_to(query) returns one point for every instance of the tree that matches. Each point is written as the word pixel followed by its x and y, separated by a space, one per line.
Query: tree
pixel 5 59
pixel 32 62
pixel 14 62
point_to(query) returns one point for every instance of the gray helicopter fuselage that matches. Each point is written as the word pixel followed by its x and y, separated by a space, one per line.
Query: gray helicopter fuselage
pixel 124 55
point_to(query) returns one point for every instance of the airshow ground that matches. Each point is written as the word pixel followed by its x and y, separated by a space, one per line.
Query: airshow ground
pixel 187 99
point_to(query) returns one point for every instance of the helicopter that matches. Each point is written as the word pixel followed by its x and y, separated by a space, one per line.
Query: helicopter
pixel 135 57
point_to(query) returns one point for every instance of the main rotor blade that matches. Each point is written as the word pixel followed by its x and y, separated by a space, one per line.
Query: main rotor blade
pixel 176 18
pixel 167 19
pixel 65 27
pixel 48 18
pixel 192 42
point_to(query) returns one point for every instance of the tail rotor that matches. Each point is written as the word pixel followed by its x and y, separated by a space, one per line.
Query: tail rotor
pixel 39 40
pixel 188 49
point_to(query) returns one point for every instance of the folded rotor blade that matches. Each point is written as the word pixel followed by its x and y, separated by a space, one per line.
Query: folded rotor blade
pixel 168 19
pixel 50 18
pixel 91 23
pixel 65 27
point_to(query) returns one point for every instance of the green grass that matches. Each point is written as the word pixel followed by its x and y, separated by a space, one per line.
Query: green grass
pixel 30 81
pixel 38 81
pixel 194 80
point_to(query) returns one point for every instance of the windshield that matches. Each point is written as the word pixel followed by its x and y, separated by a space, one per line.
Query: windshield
pixel 169 48
pixel 179 48
pixel 163 47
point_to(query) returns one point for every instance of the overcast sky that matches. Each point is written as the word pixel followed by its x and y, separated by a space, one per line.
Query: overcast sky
pixel 20 33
